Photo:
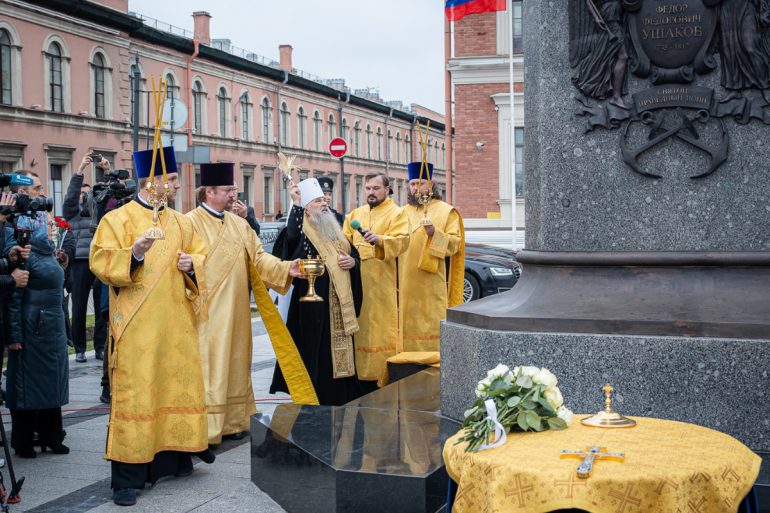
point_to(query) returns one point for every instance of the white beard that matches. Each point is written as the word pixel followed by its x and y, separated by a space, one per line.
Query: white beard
pixel 327 225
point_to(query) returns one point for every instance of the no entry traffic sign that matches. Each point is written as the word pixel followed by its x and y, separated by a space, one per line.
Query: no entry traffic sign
pixel 338 148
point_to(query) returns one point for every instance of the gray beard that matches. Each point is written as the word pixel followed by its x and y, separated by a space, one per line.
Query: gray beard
pixel 327 225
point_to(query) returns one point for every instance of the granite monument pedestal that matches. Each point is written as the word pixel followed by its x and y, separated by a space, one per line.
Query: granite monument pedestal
pixel 380 453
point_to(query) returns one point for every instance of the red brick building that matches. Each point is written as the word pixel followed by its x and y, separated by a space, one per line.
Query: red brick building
pixel 482 116
pixel 66 89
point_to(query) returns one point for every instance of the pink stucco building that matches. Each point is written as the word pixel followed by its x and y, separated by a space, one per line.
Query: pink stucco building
pixel 66 90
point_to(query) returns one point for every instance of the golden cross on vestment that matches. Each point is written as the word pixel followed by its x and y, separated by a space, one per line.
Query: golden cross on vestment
pixel 570 485
pixel 591 454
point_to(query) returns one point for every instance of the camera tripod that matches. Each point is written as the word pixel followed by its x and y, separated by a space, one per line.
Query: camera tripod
pixel 13 496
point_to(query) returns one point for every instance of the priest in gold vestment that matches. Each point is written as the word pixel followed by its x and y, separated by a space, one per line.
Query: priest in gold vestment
pixel 382 235
pixel 225 332
pixel 427 286
pixel 158 415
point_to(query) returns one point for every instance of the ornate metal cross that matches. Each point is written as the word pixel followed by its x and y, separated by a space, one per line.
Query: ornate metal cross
pixel 590 455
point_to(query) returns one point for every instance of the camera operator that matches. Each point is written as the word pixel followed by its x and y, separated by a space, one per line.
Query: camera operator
pixel 77 213
pixel 11 276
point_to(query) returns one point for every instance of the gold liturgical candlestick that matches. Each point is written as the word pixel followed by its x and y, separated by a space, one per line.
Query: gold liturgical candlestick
pixel 312 268
pixel 608 418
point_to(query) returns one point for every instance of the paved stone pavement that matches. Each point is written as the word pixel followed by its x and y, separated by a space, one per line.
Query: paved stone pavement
pixel 80 481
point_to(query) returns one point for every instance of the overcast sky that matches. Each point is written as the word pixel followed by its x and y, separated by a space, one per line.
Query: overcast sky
pixel 396 46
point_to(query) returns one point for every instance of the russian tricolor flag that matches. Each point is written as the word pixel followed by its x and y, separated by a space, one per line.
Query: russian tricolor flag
pixel 457 9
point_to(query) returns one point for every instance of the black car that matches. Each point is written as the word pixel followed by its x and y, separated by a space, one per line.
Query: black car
pixel 488 270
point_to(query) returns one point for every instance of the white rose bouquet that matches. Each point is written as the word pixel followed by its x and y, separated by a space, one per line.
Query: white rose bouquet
pixel 525 399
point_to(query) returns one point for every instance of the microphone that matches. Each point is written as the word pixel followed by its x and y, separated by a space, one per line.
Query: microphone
pixel 356 225
pixel 15 179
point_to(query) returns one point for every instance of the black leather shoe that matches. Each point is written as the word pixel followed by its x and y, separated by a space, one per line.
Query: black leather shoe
pixel 105 397
pixel 59 448
pixel 26 453
pixel 236 436
pixel 207 456
pixel 99 355
pixel 80 358
pixel 124 497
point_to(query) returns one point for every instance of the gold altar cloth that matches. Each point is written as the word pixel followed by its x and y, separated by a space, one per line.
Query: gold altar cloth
pixel 669 467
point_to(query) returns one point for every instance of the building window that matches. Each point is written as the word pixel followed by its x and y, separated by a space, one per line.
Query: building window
pixel 346 189
pixel 332 126
pixel 266 111
pixel 519 141
pixel 317 128
pixel 369 142
pixel 399 191
pixel 398 148
pixel 408 147
pixel 359 190
pixel 197 92
pixel 389 148
pixel 267 183
pixel 56 173
pixel 285 118
pixel 5 68
pixel 222 101
pixel 171 84
pixel 56 87
pixel 248 184
pixel 435 153
pixel 245 116
pixel 443 156
pixel 301 127
pixel 345 131
pixel 379 143
pixel 518 25
pixel 98 66
pixel 357 139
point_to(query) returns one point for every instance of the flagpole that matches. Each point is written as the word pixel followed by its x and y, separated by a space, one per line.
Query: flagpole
pixel 449 150
pixel 513 126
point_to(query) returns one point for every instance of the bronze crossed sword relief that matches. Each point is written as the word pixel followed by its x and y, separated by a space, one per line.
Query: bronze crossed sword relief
pixel 674 45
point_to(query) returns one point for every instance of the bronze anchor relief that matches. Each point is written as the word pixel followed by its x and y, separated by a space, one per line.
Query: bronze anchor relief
pixel 671 45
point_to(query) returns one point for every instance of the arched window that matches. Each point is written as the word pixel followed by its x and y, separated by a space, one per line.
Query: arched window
pixel 332 126
pixel 390 146
pixel 398 147
pixel 357 139
pixel 317 128
pixel 170 93
pixel 379 143
pixel 301 127
pixel 266 110
pixel 285 118
pixel 345 130
pixel 197 92
pixel 56 83
pixel 99 88
pixel 5 68
pixel 369 141
pixel 435 153
pixel 443 156
pixel 245 117
pixel 222 102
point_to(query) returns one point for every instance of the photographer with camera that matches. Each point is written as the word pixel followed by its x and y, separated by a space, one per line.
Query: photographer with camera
pixel 77 213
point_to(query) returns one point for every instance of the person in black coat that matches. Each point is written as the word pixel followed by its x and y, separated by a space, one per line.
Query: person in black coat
pixel 38 375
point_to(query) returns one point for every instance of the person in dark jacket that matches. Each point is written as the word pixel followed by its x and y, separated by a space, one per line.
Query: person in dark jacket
pixel 38 375
pixel 82 279
pixel 240 208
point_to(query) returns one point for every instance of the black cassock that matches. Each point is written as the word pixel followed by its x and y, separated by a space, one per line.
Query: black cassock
pixel 308 322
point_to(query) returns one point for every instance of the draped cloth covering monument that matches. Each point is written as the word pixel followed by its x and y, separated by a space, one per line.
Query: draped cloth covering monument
pixel 647 191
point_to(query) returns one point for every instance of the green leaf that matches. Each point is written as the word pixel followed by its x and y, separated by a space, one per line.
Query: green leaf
pixel 514 401
pixel 521 420
pixel 533 420
pixel 557 423
pixel 528 405
pixel 545 404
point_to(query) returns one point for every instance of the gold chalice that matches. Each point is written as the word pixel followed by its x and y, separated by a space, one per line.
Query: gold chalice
pixel 312 268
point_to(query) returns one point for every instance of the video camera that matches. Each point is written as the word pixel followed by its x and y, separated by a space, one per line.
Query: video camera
pixel 25 205
pixel 116 185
